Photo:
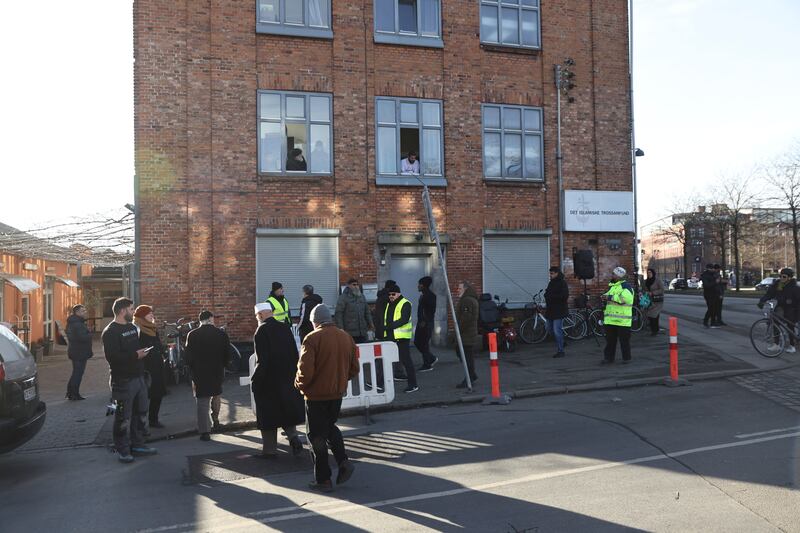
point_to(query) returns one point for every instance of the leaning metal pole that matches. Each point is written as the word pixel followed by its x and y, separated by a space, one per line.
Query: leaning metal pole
pixel 426 200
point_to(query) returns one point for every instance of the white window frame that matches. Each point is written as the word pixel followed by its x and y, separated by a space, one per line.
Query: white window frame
pixel 283 121
pixel 523 132
pixel 404 37
pixel 291 28
pixel 432 180
pixel 499 5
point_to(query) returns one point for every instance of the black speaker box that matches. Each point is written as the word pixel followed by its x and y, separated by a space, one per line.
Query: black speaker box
pixel 584 264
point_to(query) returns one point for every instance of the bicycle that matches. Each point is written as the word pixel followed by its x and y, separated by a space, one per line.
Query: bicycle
pixel 770 335
pixel 595 321
pixel 533 329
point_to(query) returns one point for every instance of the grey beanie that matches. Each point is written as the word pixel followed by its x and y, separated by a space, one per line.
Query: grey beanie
pixel 321 314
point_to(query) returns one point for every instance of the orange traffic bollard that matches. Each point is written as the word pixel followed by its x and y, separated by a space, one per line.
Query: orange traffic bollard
pixel 673 380
pixel 494 365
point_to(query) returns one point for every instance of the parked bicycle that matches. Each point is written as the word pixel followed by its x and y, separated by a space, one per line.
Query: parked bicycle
pixel 533 329
pixel 772 334
pixel 176 357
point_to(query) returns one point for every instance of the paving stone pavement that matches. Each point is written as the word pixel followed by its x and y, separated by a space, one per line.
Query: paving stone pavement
pixel 782 386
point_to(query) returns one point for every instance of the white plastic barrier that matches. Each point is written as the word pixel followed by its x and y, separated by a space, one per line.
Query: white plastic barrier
pixel 362 391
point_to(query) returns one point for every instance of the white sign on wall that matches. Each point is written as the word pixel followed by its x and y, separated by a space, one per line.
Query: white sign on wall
pixel 605 211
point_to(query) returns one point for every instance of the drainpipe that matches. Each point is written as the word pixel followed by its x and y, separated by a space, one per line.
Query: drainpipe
pixel 559 158
pixel 634 151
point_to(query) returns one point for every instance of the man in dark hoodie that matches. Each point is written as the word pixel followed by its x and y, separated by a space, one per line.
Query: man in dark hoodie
pixel 710 278
pixel 79 350
pixel 310 301
pixel 556 296
pixel 426 312
pixel 279 303
pixel 128 388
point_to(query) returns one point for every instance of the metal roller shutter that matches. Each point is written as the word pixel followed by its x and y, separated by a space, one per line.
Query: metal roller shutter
pixel 297 260
pixel 514 264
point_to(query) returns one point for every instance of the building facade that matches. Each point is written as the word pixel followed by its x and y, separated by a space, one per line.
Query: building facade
pixel 272 144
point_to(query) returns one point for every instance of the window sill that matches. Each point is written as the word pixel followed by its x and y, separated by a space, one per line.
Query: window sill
pixel 511 49
pixel 410 181
pixel 505 182
pixel 409 40
pixel 300 176
pixel 292 31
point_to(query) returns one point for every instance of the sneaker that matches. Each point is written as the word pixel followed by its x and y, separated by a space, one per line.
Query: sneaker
pixel 205 437
pixel 791 349
pixel 346 470
pixel 714 326
pixel 559 354
pixel 127 458
pixel 411 389
pixel 143 450
pixel 401 378
pixel 773 347
pixel 325 486
pixel 428 366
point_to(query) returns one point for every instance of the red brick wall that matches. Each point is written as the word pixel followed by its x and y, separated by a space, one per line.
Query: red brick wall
pixel 200 63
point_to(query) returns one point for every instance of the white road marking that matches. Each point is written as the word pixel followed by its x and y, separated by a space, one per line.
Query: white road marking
pixel 338 507
pixel 781 430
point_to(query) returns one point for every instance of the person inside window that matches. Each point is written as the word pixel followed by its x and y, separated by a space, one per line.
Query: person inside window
pixel 296 161
pixel 410 165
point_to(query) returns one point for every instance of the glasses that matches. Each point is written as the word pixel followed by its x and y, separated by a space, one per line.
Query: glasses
pixel 354 284
pixel 394 294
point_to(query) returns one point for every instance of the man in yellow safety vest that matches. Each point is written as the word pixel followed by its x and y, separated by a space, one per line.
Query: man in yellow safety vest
pixel 617 317
pixel 279 303
pixel 397 328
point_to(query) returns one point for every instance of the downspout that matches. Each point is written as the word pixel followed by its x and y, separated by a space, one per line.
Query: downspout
pixel 633 146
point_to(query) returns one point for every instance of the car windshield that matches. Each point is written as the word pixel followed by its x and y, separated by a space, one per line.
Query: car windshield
pixel 767 281
pixel 11 348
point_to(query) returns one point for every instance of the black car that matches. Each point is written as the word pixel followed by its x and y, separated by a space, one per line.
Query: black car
pixel 678 284
pixel 22 413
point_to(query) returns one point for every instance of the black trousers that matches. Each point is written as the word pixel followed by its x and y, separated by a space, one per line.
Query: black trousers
pixel 653 324
pixel 614 333
pixel 422 340
pixel 404 347
pixel 74 384
pixel 718 315
pixel 712 303
pixel 469 354
pixel 155 407
pixel 322 432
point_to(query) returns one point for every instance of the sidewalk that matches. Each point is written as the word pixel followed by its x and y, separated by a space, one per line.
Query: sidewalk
pixel 529 371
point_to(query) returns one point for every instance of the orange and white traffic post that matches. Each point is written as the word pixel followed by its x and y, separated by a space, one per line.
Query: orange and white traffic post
pixel 494 366
pixel 673 380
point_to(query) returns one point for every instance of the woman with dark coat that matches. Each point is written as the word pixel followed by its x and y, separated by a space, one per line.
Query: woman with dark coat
pixel 556 296
pixel 278 403
pixel 144 319
pixel 655 289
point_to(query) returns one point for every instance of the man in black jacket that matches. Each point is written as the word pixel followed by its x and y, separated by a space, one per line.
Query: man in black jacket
pixel 128 388
pixel 426 312
pixel 79 350
pixel 787 292
pixel 310 301
pixel 556 296
pixel 710 279
pixel 207 353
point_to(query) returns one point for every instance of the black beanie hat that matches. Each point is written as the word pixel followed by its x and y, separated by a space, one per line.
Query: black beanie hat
pixel 394 288
pixel 276 286
pixel 389 283
pixel 426 281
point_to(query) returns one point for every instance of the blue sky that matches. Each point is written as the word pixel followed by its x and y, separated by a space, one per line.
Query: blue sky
pixel 715 86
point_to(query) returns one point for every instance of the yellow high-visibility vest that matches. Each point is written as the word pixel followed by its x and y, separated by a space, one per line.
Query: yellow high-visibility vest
pixel 405 331
pixel 619 306
pixel 280 312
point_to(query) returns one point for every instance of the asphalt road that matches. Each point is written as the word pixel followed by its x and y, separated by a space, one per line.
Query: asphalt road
pixel 712 457
pixel 738 313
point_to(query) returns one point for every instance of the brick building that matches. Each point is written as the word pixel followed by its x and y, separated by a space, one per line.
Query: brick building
pixel 227 92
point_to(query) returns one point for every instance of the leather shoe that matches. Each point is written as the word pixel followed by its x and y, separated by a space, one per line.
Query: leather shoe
pixel 346 470
pixel 325 486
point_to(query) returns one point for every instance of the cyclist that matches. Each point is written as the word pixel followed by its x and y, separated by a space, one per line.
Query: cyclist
pixel 787 292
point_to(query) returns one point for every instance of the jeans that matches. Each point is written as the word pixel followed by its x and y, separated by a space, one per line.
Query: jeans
pixel 322 432
pixel 624 335
pixel 131 413
pixel 422 340
pixel 204 405
pixel 556 328
pixel 74 383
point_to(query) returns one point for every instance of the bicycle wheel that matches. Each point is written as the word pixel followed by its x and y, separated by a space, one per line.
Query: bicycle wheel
pixel 574 326
pixel 539 329
pixel 637 319
pixel 533 330
pixel 596 323
pixel 767 338
pixel 525 330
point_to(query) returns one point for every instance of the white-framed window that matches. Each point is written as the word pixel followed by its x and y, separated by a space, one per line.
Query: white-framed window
pixel 406 126
pixel 408 22
pixel 295 133
pixel 513 23
pixel 302 18
pixel 512 143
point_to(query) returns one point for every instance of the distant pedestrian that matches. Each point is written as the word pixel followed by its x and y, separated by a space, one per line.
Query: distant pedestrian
pixel 710 278
pixel 655 290
pixel 397 325
pixel 556 296
pixel 128 389
pixel 310 301
pixel 79 350
pixel 467 317
pixel 207 353
pixel 328 360
pixel 722 284
pixel 426 316
pixel 381 301
pixel 279 303
pixel 617 317
pixel 145 320
pixel 352 312
pixel 278 403
pixel 787 292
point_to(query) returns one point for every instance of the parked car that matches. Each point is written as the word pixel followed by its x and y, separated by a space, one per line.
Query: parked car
pixel 678 284
pixel 694 283
pixel 22 413
pixel 765 284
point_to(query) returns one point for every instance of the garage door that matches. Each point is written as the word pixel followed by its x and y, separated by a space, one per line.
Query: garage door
pixel 296 258
pixel 515 266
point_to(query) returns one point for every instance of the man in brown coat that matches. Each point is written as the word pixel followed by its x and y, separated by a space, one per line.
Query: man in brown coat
pixel 328 360
pixel 467 317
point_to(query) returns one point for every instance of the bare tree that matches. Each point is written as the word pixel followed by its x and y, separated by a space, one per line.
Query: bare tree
pixel 736 197
pixel 678 229
pixel 783 177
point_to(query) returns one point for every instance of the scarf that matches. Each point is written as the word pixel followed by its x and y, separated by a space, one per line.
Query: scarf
pixel 145 326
